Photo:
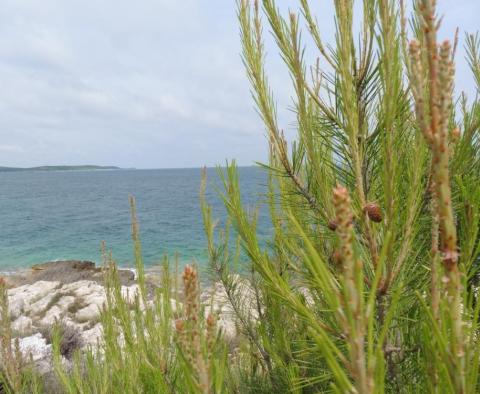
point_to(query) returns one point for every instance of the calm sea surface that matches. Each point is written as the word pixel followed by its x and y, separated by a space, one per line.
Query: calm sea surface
pixel 49 216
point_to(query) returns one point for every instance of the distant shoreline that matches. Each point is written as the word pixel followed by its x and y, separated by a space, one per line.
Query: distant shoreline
pixel 59 168
pixel 107 168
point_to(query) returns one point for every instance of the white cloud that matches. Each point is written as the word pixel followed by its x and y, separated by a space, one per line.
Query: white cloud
pixel 11 148
pixel 156 83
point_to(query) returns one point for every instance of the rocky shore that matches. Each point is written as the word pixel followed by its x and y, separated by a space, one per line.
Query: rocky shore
pixel 72 293
pixel 68 292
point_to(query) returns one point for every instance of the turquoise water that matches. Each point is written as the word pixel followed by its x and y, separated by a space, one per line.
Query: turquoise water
pixel 49 216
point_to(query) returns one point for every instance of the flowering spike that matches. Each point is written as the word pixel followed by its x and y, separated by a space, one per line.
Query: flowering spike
pixel 354 326
pixel 437 85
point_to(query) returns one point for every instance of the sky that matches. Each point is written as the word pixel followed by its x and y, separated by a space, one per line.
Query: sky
pixel 146 83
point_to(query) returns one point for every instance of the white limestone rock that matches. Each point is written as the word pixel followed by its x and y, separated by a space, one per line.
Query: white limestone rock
pixel 92 336
pixel 22 299
pixel 129 293
pixel 35 346
pixel 65 302
pixel 83 289
pixel 16 307
pixel 33 292
pixel 87 314
pixel 53 315
pixel 216 300
pixel 22 325
pixel 43 304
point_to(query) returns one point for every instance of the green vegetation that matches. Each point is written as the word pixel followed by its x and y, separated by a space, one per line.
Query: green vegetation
pixel 370 282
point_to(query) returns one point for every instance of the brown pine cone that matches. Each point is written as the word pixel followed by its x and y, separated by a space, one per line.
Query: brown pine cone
pixel 374 212
pixel 332 224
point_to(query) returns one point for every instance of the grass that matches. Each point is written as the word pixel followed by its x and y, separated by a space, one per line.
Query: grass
pixel 369 283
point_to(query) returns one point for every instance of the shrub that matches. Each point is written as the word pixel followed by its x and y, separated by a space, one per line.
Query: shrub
pixel 69 338
pixel 368 282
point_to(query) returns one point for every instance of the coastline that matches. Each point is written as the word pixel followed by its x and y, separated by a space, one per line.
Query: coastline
pixel 23 275
pixel 152 271
pixel 72 293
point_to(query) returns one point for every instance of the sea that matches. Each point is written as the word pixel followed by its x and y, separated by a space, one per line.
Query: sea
pixel 65 215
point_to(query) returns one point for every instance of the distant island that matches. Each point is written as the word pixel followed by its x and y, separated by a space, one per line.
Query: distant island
pixel 58 168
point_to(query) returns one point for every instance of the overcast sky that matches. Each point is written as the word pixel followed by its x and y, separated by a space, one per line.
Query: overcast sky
pixel 146 83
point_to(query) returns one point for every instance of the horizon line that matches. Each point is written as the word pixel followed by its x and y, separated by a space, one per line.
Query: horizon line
pixel 116 167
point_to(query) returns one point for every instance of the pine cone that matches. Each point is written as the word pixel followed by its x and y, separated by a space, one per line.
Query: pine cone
pixel 374 212
pixel 332 224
